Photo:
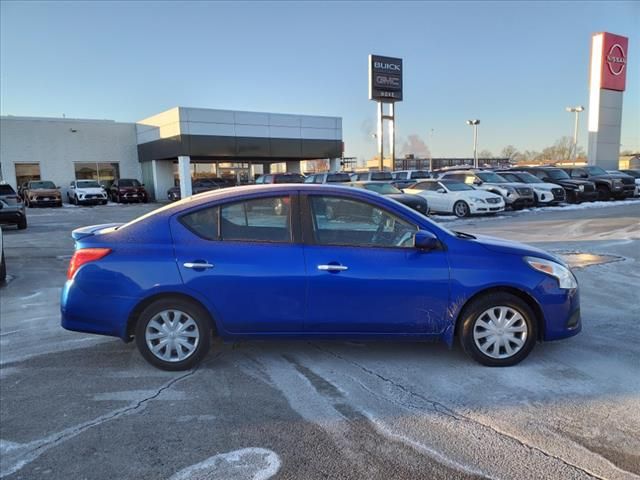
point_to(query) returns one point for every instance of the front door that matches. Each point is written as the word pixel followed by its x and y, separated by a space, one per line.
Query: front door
pixel 242 257
pixel 365 276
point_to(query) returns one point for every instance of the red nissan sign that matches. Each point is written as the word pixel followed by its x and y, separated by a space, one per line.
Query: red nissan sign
pixel 613 58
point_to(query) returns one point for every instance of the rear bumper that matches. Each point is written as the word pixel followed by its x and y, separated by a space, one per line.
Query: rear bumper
pixel 11 216
pixel 93 314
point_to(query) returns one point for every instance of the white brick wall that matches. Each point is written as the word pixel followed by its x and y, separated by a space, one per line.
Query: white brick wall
pixel 52 143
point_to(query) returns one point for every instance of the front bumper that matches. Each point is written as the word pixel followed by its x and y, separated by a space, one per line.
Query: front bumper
pixel 560 309
pixel 50 202
pixel 477 208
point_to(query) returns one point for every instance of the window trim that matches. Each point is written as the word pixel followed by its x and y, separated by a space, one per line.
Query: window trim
pixel 307 222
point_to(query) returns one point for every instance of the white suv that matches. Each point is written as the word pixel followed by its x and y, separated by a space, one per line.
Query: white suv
pixel 86 192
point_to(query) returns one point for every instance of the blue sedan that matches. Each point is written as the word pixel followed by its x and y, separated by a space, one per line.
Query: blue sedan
pixel 269 262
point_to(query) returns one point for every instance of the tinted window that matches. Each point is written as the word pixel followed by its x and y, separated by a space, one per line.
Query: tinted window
pixel 460 177
pixel 41 185
pixel 420 174
pixel 260 220
pixel 578 173
pixel 203 223
pixel 557 174
pixel 457 186
pixel 512 177
pixel 491 177
pixel 128 183
pixel 400 175
pixel 382 188
pixel 87 184
pixel 6 190
pixel 596 171
pixel 381 176
pixel 341 221
pixel 310 179
pixel 289 178
pixel 338 177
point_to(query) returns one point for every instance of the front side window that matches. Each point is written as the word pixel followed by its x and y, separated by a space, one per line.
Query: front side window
pixel 491 177
pixel 342 221
pixel 578 173
pixel 259 220
pixel 596 171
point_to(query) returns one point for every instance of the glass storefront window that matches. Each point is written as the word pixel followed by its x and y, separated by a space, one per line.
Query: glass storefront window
pixel 102 172
pixel 26 172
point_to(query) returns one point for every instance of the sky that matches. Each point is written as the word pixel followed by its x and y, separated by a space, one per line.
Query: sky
pixel 513 65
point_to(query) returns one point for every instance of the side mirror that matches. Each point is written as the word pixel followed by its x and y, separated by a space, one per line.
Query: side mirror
pixel 441 190
pixel 477 182
pixel 426 241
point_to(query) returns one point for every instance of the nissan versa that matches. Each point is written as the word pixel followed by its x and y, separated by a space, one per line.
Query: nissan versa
pixel 228 263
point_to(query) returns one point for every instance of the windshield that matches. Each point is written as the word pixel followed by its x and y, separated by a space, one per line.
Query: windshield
pixel 382 188
pixel 595 171
pixel 491 177
pixel 129 183
pixel 88 184
pixel 457 186
pixel 289 178
pixel 338 177
pixel 381 176
pixel 41 185
pixel 557 174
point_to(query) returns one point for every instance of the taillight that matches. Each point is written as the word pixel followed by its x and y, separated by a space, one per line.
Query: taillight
pixel 85 255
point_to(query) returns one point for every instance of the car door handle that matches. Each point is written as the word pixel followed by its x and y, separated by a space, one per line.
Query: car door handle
pixel 332 268
pixel 197 265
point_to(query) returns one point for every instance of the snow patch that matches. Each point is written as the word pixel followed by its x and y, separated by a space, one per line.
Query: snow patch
pixel 244 464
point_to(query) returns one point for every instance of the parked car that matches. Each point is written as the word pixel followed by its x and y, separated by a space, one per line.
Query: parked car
pixel 41 193
pixel 576 190
pixel 608 185
pixel 280 178
pixel 200 185
pixel 404 178
pixel 3 263
pixel 544 193
pixel 86 192
pixel 374 176
pixel 636 178
pixel 418 203
pixel 515 195
pixel 173 278
pixel 125 190
pixel 328 177
pixel 12 209
pixel 460 199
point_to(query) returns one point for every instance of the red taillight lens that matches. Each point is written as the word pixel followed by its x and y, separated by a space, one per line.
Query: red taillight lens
pixel 85 255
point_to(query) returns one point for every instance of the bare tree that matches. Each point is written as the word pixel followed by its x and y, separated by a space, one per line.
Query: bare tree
pixel 485 154
pixel 509 152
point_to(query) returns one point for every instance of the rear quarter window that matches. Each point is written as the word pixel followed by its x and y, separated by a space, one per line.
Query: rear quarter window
pixel 203 223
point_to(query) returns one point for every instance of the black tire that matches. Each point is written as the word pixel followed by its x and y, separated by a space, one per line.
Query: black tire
pixel 103 202
pixel 461 209
pixel 28 203
pixel 191 309
pixel 476 311
pixel 75 200
pixel 603 193
pixel 22 224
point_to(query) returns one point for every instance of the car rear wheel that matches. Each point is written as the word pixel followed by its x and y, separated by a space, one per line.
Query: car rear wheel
pixel 461 209
pixel 498 330
pixel 173 334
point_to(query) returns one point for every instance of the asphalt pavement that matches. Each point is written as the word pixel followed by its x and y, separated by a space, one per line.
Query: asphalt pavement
pixel 76 406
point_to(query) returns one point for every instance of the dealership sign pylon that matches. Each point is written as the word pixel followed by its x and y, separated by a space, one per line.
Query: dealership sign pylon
pixel 607 82
pixel 385 87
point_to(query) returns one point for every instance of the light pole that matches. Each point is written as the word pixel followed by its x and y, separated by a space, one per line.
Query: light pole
pixel 431 150
pixel 475 124
pixel 577 111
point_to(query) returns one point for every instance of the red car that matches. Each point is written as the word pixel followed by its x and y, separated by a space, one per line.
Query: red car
pixel 128 190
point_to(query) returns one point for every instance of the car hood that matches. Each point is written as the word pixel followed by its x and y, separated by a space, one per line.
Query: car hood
pixel 508 184
pixel 501 245
pixel 406 198
pixel 484 194
pixel 91 190
pixel 45 191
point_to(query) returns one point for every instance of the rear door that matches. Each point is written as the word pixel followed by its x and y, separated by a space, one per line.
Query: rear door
pixel 244 257
pixel 364 276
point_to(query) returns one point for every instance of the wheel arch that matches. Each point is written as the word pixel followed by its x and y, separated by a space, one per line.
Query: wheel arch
pixel 144 303
pixel 521 294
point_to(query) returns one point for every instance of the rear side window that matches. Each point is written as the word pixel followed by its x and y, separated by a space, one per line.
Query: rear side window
pixel 203 223
pixel 289 178
pixel 381 176
pixel 420 174
pixel 338 177
pixel 259 220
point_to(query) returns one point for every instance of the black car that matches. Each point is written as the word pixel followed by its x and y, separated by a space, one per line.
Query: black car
pixel 416 202
pixel 280 178
pixel 577 190
pixel 200 185
pixel 607 184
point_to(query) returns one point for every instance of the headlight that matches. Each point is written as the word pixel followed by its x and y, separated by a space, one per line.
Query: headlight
pixel 581 188
pixel 476 199
pixel 566 279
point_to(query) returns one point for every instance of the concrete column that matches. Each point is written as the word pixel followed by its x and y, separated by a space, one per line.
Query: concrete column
pixel 266 168
pixel 293 166
pixel 334 165
pixel 162 172
pixel 184 174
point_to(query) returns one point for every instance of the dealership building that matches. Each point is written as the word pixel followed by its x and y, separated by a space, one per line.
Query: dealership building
pixel 164 150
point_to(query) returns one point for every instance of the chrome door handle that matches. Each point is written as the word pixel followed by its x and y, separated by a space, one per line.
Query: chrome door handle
pixel 197 265
pixel 332 268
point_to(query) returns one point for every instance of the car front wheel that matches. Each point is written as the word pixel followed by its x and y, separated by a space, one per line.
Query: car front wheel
pixel 461 209
pixel 498 330
pixel 173 334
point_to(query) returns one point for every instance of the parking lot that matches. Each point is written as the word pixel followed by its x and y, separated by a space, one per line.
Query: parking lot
pixel 76 406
